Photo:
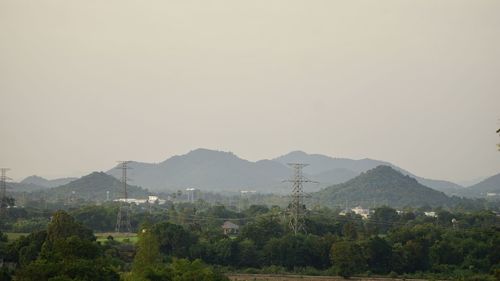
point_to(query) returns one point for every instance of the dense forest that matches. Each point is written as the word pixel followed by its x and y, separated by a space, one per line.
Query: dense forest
pixel 185 241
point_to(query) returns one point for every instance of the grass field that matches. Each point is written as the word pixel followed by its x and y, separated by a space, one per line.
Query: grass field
pixel 14 235
pixel 272 277
pixel 120 237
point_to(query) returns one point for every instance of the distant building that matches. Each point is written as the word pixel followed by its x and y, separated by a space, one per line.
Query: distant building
pixel 364 213
pixel 230 228
pixel 430 214
pixel 150 200
pixel 156 199
pixel 131 200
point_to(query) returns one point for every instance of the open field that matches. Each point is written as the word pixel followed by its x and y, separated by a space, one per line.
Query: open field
pixel 101 237
pixel 277 277
pixel 120 237
pixel 15 235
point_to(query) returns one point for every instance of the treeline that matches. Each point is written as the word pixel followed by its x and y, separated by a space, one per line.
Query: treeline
pixel 68 251
pixel 451 245
pixel 387 244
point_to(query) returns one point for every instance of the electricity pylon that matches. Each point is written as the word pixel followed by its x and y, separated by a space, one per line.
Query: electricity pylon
pixel 297 207
pixel 3 185
pixel 123 217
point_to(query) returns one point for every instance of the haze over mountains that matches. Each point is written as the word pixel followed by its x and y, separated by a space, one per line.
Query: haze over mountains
pixel 210 170
pixel 489 186
pixel 36 180
pixel 224 171
pixel 94 187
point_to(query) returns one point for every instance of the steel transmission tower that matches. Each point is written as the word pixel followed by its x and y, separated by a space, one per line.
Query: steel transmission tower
pixel 3 186
pixel 297 207
pixel 123 217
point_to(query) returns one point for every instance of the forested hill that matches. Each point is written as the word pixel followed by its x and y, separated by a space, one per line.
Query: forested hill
pixel 94 187
pixel 381 186
pixel 481 189
pixel 332 170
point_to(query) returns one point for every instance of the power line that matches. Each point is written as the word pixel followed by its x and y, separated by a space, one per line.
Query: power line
pixel 3 185
pixel 297 207
pixel 123 217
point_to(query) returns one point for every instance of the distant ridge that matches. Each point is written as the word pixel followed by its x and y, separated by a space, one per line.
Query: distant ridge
pixel 382 185
pixel 342 169
pixel 94 187
pixel 208 170
pixel 486 187
pixel 213 170
pixel 36 180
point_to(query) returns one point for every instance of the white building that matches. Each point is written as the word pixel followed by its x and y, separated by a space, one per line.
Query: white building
pixel 431 214
pixel 150 200
pixel 364 213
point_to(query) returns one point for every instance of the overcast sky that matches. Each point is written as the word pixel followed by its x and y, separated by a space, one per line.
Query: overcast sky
pixel 86 83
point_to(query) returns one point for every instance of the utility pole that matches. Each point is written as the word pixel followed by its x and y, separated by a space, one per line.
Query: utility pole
pixel 3 185
pixel 297 207
pixel 123 217
pixel 190 194
pixel 245 196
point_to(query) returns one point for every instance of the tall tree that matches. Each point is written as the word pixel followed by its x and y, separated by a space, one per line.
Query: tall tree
pixel 347 257
pixel 148 253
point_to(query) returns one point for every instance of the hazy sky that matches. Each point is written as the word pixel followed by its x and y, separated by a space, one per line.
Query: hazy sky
pixel 85 83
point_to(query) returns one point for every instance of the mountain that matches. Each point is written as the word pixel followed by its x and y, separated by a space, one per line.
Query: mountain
pixel 334 176
pixel 331 170
pixel 223 171
pixel 208 170
pixel 319 163
pixel 490 185
pixel 23 187
pixel 94 187
pixel 382 185
pixel 39 181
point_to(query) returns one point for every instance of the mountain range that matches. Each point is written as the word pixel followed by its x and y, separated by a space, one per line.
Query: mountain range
pixel 210 170
pixel 223 171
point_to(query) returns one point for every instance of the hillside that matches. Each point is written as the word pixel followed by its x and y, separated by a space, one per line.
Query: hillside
pixel 93 187
pixel 23 187
pixel 39 181
pixel 331 170
pixel 382 185
pixel 489 185
pixel 208 170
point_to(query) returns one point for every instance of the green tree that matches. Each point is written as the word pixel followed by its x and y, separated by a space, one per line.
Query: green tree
pixel 248 256
pixel 185 270
pixel 349 231
pixel 383 218
pixel 181 270
pixel 62 225
pixel 148 253
pixel 69 252
pixel 347 258
pixel 379 255
pixel 174 239
pixel 262 230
